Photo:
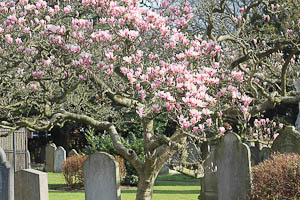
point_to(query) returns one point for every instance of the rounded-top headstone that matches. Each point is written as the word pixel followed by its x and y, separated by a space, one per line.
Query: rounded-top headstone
pixel 288 141
pixel 73 152
pixel 101 177
pixel 59 158
pixel 50 151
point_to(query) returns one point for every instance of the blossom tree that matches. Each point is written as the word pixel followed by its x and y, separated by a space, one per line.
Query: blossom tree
pixel 96 60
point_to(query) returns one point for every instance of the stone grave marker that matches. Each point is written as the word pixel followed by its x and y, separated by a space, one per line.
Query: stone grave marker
pixel 227 170
pixel 288 141
pixel 193 153
pixel 254 150
pixel 6 178
pixel 28 160
pixel 50 150
pixel 297 124
pixel 209 186
pixel 101 177
pixel 59 158
pixel 73 152
pixel 31 184
pixel 233 168
pixel 264 154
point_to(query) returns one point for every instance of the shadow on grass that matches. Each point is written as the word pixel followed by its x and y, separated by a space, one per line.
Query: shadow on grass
pixel 177 183
pixel 56 186
pixel 165 191
pixel 62 191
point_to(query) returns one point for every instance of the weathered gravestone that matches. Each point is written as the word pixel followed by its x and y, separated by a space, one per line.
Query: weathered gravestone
pixel 288 141
pixel 73 152
pixel 50 150
pixel 297 124
pixel 31 184
pixel 209 185
pixel 28 160
pixel 254 150
pixel 101 177
pixel 264 154
pixel 59 158
pixel 193 153
pixel 6 178
pixel 230 176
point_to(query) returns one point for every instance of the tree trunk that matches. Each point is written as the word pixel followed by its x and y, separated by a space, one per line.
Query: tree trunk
pixel 145 185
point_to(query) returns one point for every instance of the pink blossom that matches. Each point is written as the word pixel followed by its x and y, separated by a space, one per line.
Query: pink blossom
pixel 18 41
pixel 140 112
pixel 155 108
pixel 195 130
pixel 275 135
pixel 20 72
pixel 206 111
pixel 222 130
pixel 289 31
pixel 34 86
pixel 67 9
pixel 280 125
pixel 209 122
pixel 9 38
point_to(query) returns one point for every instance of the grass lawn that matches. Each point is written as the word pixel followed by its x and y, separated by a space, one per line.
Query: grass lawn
pixel 168 187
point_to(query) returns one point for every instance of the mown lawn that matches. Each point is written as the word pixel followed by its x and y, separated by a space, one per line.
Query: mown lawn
pixel 168 187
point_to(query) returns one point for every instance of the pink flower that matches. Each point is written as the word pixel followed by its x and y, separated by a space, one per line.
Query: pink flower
pixel 201 127
pixel 140 112
pixel 9 38
pixel 34 86
pixel 221 130
pixel 155 108
pixel 289 31
pixel 209 122
pixel 280 125
pixel 18 41
pixel 67 9
pixel 275 135
pixel 195 130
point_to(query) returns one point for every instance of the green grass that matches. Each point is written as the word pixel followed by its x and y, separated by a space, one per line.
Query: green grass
pixel 167 187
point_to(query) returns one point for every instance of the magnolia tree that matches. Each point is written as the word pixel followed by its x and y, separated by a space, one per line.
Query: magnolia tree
pixel 85 61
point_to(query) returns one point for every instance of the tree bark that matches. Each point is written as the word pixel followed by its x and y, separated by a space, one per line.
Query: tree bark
pixel 146 184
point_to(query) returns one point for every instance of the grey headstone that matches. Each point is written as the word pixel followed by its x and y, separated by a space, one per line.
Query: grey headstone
pixel 209 185
pixel 73 152
pixel 101 177
pixel 228 171
pixel 50 150
pixel 59 158
pixel 164 170
pixel 193 153
pixel 6 178
pixel 288 141
pixel 297 124
pixel 31 184
pixel 264 154
pixel 28 160
pixel 254 150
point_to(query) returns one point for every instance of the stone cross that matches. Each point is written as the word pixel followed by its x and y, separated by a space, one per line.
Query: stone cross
pixel 6 178
pixel 101 177
pixel 297 86
pixel 59 158
pixel 31 184
pixel 50 150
